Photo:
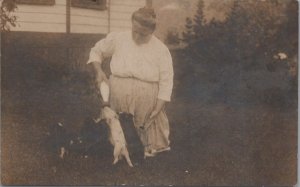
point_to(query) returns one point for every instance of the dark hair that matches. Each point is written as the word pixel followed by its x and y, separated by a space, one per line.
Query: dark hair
pixel 146 17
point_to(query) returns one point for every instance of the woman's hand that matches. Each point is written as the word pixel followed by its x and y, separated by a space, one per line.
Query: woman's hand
pixel 100 75
pixel 158 107
pixel 153 114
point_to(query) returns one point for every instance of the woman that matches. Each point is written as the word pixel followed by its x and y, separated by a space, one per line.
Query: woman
pixel 142 78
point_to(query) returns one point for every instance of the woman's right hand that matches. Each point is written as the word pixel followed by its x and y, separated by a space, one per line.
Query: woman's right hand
pixel 104 91
pixel 103 86
pixel 101 77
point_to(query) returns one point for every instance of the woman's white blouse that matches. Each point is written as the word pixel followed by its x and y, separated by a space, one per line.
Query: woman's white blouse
pixel 150 62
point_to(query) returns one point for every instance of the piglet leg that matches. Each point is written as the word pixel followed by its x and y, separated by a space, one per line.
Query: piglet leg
pixel 62 152
pixel 117 152
pixel 126 154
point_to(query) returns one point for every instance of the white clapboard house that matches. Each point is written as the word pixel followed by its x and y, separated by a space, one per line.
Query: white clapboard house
pixel 75 16
pixel 58 32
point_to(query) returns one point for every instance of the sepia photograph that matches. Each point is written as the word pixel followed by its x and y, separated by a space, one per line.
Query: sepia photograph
pixel 149 92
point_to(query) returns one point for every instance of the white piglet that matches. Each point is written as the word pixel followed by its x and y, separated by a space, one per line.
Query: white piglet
pixel 117 137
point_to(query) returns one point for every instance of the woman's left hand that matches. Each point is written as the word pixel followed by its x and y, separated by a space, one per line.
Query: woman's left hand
pixel 158 107
pixel 153 114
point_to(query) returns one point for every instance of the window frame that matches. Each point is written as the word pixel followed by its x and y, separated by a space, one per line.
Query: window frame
pixel 36 2
pixel 89 5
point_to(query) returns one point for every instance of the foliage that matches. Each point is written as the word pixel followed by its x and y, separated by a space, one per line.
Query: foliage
pixel 195 28
pixel 246 42
pixel 172 37
pixel 188 35
pixel 7 19
pixel 199 21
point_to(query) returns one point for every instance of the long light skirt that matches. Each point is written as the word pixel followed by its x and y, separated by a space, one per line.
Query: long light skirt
pixel 139 98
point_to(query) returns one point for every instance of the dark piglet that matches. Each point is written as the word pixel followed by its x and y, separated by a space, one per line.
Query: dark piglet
pixel 59 139
pixel 92 138
pixel 134 143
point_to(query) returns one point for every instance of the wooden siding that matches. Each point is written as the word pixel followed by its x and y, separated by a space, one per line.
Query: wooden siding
pixel 53 18
pixel 89 20
pixel 40 18
pixel 121 12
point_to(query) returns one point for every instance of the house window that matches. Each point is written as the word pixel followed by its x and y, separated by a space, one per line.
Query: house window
pixel 36 2
pixel 90 4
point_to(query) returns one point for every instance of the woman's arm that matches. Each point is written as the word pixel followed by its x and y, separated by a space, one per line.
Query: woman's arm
pixel 165 83
pixel 100 75
pixel 102 48
pixel 166 75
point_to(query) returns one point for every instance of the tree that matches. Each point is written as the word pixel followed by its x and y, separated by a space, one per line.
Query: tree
pixel 188 35
pixel 251 27
pixel 7 19
pixel 172 37
pixel 252 30
pixel 288 34
pixel 199 21
pixel 243 45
